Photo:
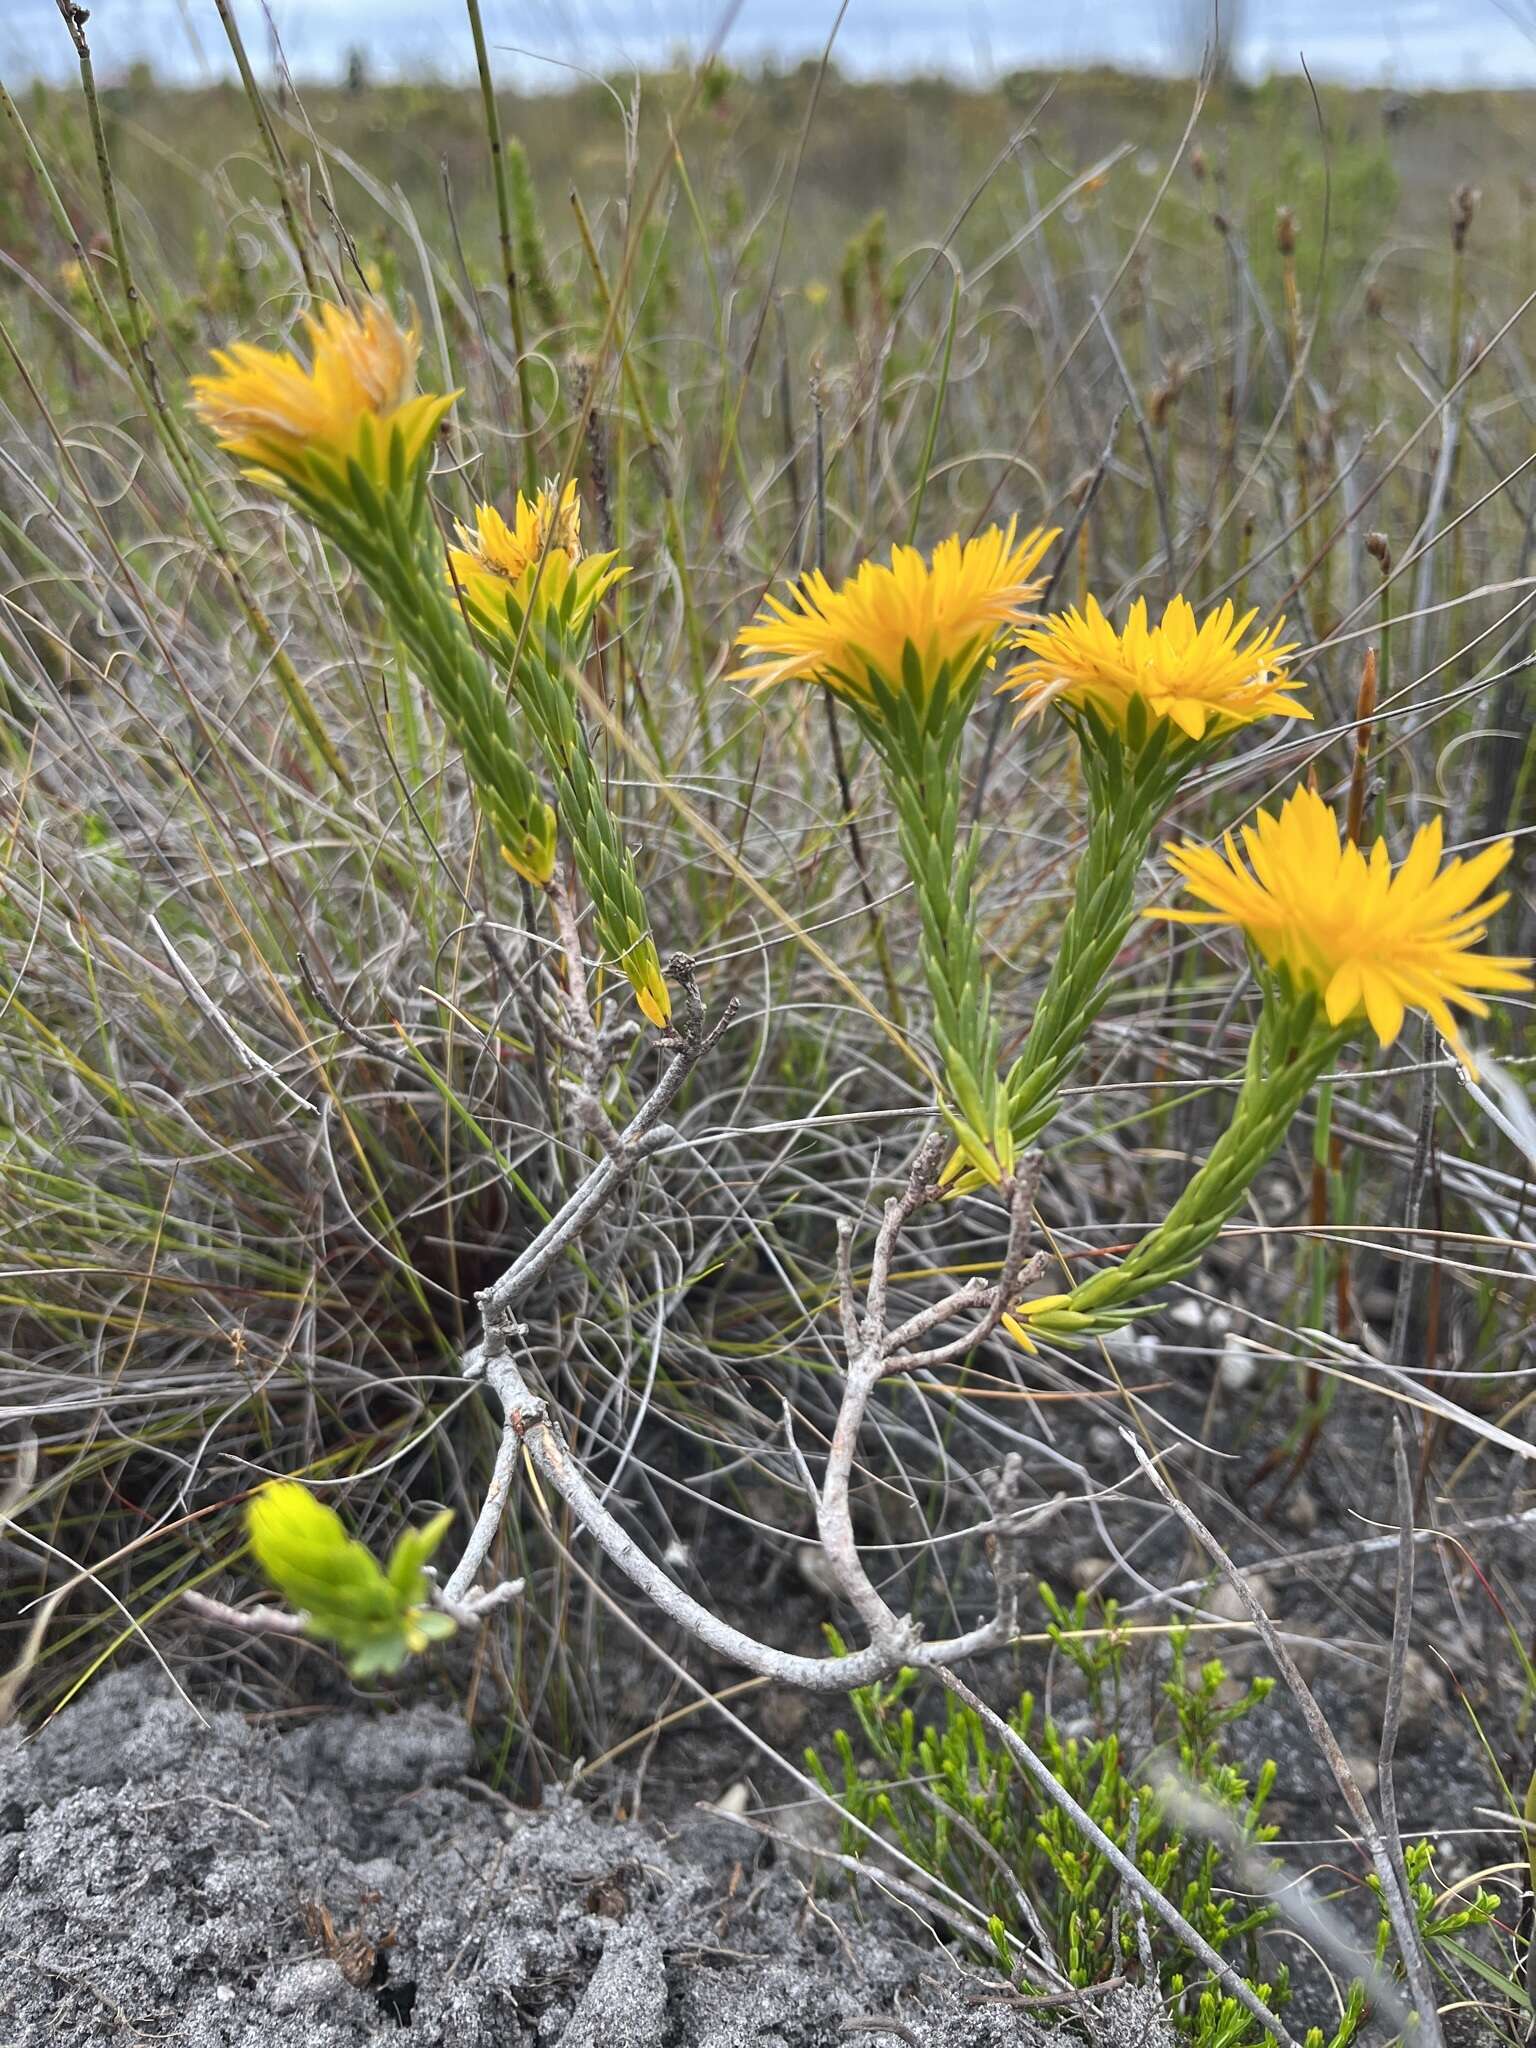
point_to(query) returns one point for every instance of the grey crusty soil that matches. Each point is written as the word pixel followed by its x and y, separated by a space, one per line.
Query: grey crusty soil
pixel 154 1872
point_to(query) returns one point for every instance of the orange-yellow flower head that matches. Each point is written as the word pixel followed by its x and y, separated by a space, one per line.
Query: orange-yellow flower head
pixel 537 559
pixel 275 414
pixel 1206 677
pixel 951 610
pixel 536 524
pixel 1370 942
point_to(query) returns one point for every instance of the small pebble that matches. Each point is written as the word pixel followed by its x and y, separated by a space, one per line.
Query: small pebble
pixel 784 1714
pixel 1306 1643
pixel 304 1987
pixel 1239 1365
pixel 1298 1511
pixel 1225 1603
pixel 1243 1653
pixel 1423 1704
pixel 1104 1445
pixel 1133 1347
pixel 1365 1773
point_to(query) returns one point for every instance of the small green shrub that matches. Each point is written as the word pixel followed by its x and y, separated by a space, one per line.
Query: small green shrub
pixel 963 1812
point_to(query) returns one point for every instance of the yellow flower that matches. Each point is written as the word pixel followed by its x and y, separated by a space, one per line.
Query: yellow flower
pixel 275 414
pixel 950 610
pixel 509 550
pixel 1369 942
pixel 535 559
pixel 1202 677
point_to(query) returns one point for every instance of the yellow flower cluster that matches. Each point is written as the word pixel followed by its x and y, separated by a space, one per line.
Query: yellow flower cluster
pixel 535 561
pixel 345 439
pixel 274 414
pixel 543 523
pixel 1204 677
pixel 1370 942
pixel 950 610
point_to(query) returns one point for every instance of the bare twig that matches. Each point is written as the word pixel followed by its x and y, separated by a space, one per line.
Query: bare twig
pixel 250 1621
pixel 643 1135
pixel 476 1605
pixel 250 1059
pixel 1418 1174
pixel 354 1033
pixel 624 1152
pixel 874 1352
pixel 583 1026
pixel 531 1429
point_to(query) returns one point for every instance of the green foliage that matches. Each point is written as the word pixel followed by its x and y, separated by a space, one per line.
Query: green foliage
pixel 377 1617
pixel 918 731
pixel 532 258
pixel 715 82
pixel 1356 190
pixel 1433 1926
pixel 961 1809
pixel 864 270
pixel 848 284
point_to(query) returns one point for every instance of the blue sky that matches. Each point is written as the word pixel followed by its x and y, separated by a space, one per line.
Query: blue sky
pixel 1403 42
